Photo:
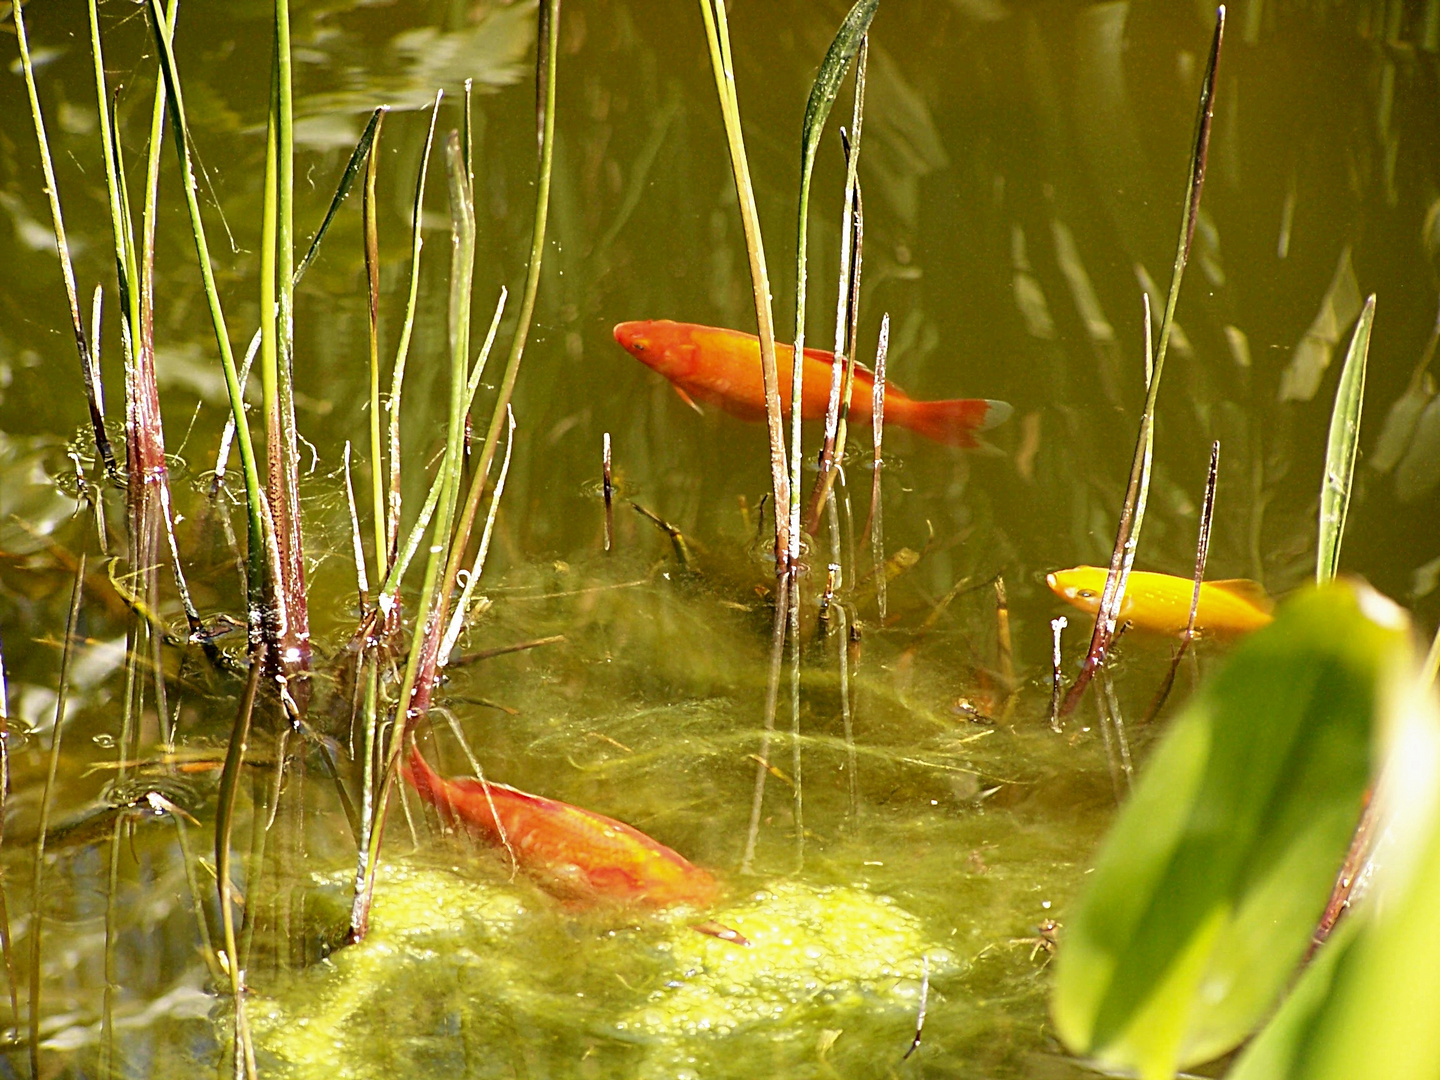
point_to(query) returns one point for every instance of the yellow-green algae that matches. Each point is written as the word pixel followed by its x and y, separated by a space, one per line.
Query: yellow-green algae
pixel 456 972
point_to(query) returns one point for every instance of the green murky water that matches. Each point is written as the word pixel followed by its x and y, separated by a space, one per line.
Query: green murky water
pixel 1023 169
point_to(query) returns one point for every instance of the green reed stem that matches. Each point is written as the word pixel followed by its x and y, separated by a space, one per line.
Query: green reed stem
pixel 358 158
pixel 402 349
pixel 255 536
pixel 67 271
pixel 119 216
pixel 429 611
pixel 847 42
pixel 549 43
pixel 372 278
pixel 1341 447
pixel 1132 511
pixel 717 34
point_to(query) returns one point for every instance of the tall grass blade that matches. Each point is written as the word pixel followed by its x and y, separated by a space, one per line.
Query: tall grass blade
pixel 462 606
pixel 429 615
pixel 402 349
pixel 255 539
pixel 358 159
pixel 848 41
pixel 62 246
pixel 1342 446
pixel 1132 511
pixel 372 280
pixel 847 303
pixel 277 313
pixel 546 60
pixel 717 35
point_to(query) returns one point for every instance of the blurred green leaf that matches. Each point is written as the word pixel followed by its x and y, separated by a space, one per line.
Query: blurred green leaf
pixel 1341 447
pixel 1211 881
pixel 1365 1009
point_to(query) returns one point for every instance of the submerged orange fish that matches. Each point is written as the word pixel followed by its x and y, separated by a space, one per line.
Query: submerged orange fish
pixel 1161 602
pixel 573 853
pixel 722 367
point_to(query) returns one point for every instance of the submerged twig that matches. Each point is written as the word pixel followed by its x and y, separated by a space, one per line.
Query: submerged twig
pixel 1057 628
pixel 924 1001
pixel 677 538
pixel 504 650
pixel 608 490
pixel 874 521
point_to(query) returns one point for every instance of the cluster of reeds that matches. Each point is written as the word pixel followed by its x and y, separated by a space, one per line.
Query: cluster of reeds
pixel 391 673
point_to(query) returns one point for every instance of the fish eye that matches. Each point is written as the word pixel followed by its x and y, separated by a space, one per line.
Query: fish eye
pixel 1086 594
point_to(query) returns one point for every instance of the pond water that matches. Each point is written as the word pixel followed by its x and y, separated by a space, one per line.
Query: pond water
pixel 1023 166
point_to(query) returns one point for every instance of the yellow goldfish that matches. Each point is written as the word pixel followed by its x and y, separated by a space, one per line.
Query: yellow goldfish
pixel 1161 602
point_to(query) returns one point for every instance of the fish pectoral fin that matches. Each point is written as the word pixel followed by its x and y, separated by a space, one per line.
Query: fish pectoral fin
pixel 1252 592
pixel 687 399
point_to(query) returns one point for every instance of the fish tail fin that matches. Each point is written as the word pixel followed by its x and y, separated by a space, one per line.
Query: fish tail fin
pixel 954 423
pixel 425 780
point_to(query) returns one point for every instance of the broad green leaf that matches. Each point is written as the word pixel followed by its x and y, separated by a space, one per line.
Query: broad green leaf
pixel 1341 447
pixel 1216 872
pixel 1366 1007
pixel 1282 1045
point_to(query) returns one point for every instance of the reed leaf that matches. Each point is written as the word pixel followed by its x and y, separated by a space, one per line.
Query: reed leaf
pixel 1342 446
pixel 717 35
pixel 846 44
pixel 1132 511
pixel 358 159
pixel 62 246
pixel 255 536
pixel 429 614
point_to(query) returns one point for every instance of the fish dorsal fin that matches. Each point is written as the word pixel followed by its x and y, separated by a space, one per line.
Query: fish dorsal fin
pixel 1252 592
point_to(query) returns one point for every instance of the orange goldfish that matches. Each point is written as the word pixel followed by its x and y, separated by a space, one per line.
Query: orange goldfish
pixel 573 853
pixel 1161 602
pixel 722 367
